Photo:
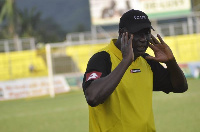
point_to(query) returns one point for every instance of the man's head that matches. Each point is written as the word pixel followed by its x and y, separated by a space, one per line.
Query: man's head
pixel 137 23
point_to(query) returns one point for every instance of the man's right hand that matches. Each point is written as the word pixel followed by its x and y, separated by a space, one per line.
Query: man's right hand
pixel 126 48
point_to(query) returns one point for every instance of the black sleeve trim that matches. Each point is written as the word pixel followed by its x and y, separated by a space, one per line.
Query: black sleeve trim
pixel 161 77
pixel 99 62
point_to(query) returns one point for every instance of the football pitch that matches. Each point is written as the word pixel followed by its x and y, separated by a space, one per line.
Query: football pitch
pixel 69 112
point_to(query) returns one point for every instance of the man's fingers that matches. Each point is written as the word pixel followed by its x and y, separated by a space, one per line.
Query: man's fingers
pixel 152 47
pixel 131 38
pixel 131 41
pixel 155 41
pixel 151 41
pixel 150 58
pixel 122 38
pixel 160 38
pixel 126 38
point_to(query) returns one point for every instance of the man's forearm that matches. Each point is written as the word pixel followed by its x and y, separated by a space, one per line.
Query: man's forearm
pixel 177 77
pixel 99 90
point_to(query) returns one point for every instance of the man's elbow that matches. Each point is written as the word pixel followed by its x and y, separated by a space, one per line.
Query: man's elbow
pixel 181 89
pixel 91 101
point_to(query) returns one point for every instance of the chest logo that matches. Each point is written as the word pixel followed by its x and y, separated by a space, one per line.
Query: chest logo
pixel 135 70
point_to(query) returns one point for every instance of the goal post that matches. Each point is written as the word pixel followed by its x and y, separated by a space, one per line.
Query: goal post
pixel 50 70
pixel 69 59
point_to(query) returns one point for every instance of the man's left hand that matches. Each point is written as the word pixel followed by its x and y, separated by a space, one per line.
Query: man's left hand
pixel 161 50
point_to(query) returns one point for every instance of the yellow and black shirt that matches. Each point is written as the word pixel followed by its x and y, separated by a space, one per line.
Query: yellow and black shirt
pixel 129 107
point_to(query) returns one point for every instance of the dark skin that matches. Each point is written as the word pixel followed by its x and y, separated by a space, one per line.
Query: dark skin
pixel 99 90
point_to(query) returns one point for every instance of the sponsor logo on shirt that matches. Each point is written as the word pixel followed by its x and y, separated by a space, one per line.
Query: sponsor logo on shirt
pixel 93 75
pixel 135 70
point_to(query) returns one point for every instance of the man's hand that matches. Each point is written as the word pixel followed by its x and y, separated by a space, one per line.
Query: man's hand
pixel 126 47
pixel 161 50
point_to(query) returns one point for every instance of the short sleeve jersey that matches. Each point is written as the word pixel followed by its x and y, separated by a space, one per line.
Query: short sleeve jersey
pixel 129 107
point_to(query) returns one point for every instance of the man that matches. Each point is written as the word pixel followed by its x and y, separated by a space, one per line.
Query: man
pixel 119 80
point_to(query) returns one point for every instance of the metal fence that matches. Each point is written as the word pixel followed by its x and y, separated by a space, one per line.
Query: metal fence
pixel 167 27
pixel 18 44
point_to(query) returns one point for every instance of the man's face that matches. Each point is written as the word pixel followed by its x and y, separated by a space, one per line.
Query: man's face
pixel 141 41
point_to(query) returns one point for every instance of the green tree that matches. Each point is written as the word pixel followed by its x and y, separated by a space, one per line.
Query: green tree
pixel 30 20
pixel 27 23
pixel 1 3
pixel 10 16
pixel 196 5
pixel 49 31
pixel 44 30
pixel 80 28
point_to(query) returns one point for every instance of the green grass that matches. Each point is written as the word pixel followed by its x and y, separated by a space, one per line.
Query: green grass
pixel 178 112
pixel 69 112
pixel 64 113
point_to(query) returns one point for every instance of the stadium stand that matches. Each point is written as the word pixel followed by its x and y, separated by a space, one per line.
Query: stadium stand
pixel 32 63
pixel 81 53
pixel 21 64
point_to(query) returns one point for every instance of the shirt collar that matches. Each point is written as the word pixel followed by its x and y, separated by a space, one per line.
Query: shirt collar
pixel 117 52
pixel 114 49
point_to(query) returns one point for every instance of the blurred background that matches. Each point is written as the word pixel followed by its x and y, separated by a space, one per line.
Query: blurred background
pixel 45 46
